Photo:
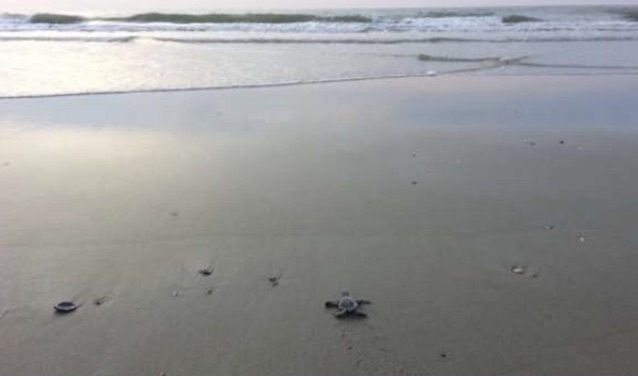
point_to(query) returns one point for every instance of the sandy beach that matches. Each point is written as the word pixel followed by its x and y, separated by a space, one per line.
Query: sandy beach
pixel 490 220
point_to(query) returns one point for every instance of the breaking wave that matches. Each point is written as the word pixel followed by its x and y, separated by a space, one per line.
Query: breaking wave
pixel 174 52
pixel 517 18
pixel 50 18
pixel 454 14
pixel 267 18
pixel 84 39
pixel 629 13
pixel 182 18
pixel 486 21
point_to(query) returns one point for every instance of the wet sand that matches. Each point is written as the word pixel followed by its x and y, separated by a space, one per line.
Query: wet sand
pixel 490 220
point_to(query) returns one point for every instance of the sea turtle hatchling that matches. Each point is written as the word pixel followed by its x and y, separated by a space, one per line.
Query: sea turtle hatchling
pixel 347 306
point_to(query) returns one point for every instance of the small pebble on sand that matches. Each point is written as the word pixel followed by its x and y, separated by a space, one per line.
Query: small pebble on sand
pixel 517 269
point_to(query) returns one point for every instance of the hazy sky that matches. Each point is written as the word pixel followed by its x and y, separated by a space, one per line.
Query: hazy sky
pixel 185 5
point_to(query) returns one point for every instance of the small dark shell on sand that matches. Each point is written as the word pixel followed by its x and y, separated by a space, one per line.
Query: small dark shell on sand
pixel 561 142
pixel 65 307
pixel 548 227
pixel 414 182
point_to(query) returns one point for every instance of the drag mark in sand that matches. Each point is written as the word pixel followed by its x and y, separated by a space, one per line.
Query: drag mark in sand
pixel 369 353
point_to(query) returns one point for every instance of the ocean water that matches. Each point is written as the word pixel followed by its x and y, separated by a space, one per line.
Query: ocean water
pixel 55 54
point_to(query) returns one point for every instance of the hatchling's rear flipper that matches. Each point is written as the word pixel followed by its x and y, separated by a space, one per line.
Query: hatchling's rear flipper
pixel 331 304
pixel 358 314
pixel 363 301
pixel 350 314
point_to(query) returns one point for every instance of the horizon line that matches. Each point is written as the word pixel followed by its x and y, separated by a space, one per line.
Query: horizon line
pixel 167 9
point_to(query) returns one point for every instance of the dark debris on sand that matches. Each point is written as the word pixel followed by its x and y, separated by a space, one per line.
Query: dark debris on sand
pixel 274 280
pixel 101 300
pixel 206 271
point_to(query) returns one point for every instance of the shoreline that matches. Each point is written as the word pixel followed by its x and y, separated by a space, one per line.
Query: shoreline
pixel 428 75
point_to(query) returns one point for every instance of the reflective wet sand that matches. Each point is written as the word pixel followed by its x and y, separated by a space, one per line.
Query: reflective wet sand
pixel 118 202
